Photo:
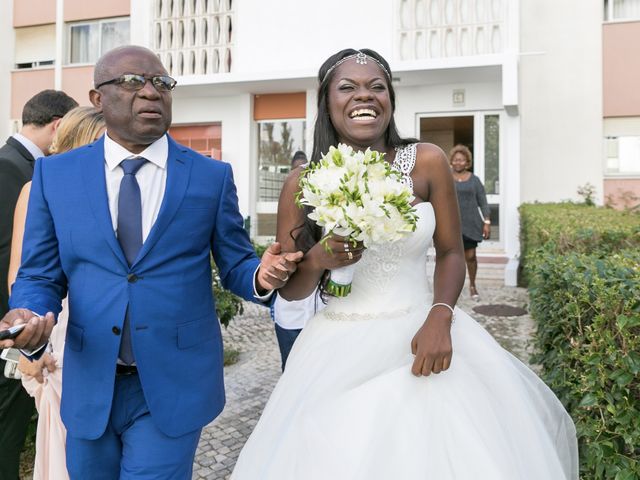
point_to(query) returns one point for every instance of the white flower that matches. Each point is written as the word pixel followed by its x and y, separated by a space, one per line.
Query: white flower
pixel 357 194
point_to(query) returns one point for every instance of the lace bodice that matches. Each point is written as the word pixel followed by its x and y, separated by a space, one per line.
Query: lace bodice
pixel 391 277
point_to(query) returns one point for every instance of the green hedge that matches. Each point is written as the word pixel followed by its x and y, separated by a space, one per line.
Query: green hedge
pixel 585 297
pixel 571 227
pixel 588 315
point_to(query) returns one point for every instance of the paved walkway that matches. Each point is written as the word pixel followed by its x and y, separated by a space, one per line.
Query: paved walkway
pixel 250 381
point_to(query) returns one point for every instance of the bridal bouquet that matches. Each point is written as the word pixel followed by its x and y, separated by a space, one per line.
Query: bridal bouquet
pixel 360 196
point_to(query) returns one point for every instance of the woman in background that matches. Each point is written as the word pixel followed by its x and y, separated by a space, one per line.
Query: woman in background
pixel 472 200
pixel 42 379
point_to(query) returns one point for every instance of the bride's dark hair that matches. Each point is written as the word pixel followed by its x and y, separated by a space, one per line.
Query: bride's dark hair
pixel 325 135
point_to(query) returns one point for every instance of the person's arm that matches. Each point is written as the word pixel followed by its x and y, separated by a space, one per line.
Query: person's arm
pixel 433 182
pixel 19 219
pixel 481 200
pixel 40 284
pixel 316 260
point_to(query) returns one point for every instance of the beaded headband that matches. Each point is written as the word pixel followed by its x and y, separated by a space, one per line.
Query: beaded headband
pixel 361 59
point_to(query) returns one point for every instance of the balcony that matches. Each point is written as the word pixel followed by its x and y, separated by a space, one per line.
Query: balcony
pixel 194 37
pixel 437 29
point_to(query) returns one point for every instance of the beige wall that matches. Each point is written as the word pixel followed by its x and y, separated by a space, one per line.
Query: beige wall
pixel 84 10
pixel 25 84
pixel 77 81
pixel 622 192
pixel 560 98
pixel 33 12
pixel 621 69
pixel 40 12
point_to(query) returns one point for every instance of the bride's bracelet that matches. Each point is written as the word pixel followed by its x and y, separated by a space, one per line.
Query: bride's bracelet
pixel 453 313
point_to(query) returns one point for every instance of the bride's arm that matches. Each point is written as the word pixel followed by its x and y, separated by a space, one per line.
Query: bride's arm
pixel 433 181
pixel 316 260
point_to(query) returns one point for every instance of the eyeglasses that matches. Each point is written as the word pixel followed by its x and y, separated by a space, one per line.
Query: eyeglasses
pixel 132 81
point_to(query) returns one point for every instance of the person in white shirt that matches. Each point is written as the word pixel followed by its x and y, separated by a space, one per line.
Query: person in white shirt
pixel 290 317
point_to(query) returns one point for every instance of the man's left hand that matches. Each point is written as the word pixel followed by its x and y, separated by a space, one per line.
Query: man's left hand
pixel 276 267
pixel 34 335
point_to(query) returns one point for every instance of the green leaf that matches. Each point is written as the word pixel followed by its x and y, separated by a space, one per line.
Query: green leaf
pixel 588 400
pixel 626 474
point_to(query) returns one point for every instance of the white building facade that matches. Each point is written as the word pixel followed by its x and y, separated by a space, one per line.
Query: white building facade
pixel 518 81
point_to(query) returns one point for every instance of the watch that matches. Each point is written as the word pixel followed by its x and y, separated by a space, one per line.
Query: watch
pixel 487 222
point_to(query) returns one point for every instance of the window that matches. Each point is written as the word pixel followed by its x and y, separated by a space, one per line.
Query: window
pixel 278 141
pixel 88 41
pixel 622 155
pixel 34 64
pixel 621 10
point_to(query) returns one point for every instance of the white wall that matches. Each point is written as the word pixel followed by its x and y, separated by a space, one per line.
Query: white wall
pixel 430 99
pixel 141 21
pixel 560 98
pixel 279 35
pixel 235 114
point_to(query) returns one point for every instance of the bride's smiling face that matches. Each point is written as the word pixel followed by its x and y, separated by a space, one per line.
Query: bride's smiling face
pixel 359 104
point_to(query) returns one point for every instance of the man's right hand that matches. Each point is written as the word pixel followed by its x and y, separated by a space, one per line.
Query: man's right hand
pixel 34 335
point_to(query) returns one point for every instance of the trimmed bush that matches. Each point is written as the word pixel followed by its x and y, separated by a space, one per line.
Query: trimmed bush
pixel 588 315
pixel 571 227
pixel 583 267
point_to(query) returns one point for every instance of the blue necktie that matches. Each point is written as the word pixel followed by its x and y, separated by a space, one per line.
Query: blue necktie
pixel 129 235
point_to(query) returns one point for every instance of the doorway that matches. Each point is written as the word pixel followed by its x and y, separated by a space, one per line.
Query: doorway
pixel 480 132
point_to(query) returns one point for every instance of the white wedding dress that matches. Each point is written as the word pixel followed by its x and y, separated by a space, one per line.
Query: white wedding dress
pixel 348 408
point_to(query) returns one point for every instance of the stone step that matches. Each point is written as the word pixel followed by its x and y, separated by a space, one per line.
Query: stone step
pixel 490 268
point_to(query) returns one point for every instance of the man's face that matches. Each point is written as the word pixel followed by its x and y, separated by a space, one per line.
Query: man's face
pixel 134 118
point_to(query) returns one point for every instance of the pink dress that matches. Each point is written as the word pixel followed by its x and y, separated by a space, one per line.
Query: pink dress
pixel 50 462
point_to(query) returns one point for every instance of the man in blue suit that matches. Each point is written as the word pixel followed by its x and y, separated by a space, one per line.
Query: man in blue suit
pixel 126 225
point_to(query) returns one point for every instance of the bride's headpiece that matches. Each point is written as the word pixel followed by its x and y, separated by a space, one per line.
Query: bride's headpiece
pixel 361 59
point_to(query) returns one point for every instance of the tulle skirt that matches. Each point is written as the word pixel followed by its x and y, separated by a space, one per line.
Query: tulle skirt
pixel 348 407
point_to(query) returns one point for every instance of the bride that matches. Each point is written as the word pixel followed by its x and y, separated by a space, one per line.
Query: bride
pixel 392 382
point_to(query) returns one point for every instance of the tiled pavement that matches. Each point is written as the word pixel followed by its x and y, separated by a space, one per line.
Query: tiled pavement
pixel 250 381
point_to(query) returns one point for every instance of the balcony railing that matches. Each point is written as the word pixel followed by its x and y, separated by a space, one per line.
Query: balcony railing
pixel 430 29
pixel 194 37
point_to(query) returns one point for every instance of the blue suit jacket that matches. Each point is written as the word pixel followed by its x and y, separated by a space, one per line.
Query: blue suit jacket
pixel 70 244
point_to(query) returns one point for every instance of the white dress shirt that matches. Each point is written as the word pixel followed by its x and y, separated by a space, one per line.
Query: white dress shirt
pixel 152 178
pixel 29 145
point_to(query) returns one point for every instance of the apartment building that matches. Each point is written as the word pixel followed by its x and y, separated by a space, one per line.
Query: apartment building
pixel 621 102
pixel 518 81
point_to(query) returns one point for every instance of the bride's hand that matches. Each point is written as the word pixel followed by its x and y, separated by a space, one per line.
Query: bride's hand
pixel 342 252
pixel 431 345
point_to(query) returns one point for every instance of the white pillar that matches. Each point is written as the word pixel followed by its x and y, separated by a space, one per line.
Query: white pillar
pixel 57 69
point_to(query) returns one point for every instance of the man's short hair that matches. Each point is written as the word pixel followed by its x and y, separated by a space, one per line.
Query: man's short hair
pixel 46 106
pixel 299 155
